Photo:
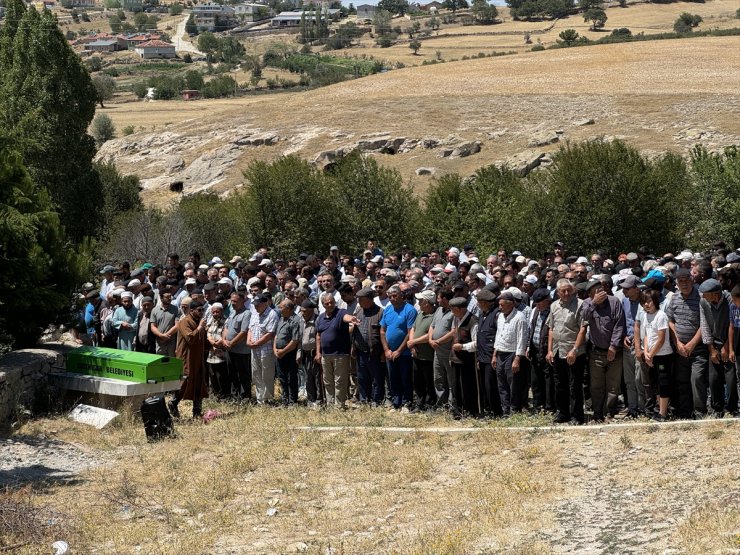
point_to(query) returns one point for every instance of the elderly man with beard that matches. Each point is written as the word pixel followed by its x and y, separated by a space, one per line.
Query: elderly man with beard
pixel 125 321
pixel 191 348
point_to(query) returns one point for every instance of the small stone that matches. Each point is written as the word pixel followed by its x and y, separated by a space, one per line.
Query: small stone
pixel 585 121
pixel 297 547
pixel 272 511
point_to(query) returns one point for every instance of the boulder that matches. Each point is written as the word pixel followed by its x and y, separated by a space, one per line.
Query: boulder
pixel 408 145
pixel 426 171
pixel 324 160
pixel 584 121
pixel 429 142
pixel 373 145
pixel 543 139
pixel 267 139
pixel 445 152
pixel 466 149
pixel 525 162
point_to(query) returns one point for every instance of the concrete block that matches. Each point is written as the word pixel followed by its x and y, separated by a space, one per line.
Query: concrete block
pixel 109 386
pixel 93 416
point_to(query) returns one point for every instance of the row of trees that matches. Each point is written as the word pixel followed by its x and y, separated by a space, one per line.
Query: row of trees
pixel 594 195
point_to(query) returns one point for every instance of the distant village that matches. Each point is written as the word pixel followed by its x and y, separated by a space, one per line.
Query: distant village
pixel 207 16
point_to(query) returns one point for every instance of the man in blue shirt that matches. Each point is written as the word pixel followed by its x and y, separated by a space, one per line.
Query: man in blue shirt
pixel 395 325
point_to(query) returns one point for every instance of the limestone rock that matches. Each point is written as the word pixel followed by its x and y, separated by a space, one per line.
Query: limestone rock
pixel 543 139
pixel 324 160
pixel 429 142
pixel 260 139
pixel 464 150
pixel 524 162
pixel 584 121
pixel 426 171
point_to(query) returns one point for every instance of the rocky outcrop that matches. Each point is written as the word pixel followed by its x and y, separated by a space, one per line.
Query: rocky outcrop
pixel 426 171
pixel 543 139
pixel 462 150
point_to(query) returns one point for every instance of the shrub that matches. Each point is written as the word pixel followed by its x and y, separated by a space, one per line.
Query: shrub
pixel 140 89
pixel 537 48
pixel 622 32
pixel 128 130
pixel 102 129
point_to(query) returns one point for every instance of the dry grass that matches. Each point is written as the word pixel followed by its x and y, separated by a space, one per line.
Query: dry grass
pixel 369 491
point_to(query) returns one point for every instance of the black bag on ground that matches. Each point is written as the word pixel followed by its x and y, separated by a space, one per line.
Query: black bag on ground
pixel 157 419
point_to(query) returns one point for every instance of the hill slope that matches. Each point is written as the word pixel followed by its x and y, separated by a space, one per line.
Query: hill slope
pixel 656 95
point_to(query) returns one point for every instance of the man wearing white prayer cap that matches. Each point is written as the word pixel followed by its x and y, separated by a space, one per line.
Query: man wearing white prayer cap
pixel 124 321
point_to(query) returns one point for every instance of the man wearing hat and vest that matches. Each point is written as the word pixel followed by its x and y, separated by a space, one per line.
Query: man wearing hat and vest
pixel 485 341
pixel 368 348
pixel 714 323
pixel 464 383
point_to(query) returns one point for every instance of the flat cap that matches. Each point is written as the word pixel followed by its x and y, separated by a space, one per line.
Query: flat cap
pixel 459 302
pixel 710 286
pixel 540 295
pixel 365 292
pixel 486 295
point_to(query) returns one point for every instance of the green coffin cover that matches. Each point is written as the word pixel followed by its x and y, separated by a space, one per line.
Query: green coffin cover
pixel 123 365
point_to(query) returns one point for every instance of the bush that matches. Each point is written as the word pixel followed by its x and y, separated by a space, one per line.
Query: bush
pixel 176 9
pixel 102 129
pixel 537 48
pixel 128 130
pixel 622 32
pixel 94 63
pixel 140 89
pixel 220 87
pixel 568 37
pixel 385 41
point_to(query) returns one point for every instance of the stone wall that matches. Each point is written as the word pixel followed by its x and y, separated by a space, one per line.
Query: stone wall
pixel 24 382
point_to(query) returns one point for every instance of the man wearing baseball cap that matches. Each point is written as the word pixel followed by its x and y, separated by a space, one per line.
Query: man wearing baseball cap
pixel 422 354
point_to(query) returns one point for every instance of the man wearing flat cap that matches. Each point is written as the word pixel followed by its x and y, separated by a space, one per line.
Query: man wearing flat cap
pixel 307 352
pixel 635 397
pixel 603 315
pixel 368 348
pixel 464 382
pixel 542 372
pixel 485 339
pixel 714 323
pixel 509 350
pixel 691 364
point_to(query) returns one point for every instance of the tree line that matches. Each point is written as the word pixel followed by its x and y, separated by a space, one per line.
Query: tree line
pixel 594 195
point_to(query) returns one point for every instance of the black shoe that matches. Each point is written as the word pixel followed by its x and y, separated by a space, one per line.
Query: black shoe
pixel 172 406
pixel 560 418
pixel 659 417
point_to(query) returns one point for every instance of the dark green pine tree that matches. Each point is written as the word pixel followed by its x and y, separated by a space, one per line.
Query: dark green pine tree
pixel 37 269
pixel 47 101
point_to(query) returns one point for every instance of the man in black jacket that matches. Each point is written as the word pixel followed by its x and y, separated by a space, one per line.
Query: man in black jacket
pixel 543 374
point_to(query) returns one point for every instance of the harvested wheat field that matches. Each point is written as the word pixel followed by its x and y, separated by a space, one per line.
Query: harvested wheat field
pixel 662 95
pixel 256 481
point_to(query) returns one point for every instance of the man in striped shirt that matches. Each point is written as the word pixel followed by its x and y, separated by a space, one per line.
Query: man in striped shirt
pixel 692 357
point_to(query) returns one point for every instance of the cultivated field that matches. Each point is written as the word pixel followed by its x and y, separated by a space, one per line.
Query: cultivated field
pixel 662 95
pixel 255 482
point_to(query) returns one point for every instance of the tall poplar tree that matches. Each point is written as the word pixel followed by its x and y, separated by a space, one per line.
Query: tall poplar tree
pixel 47 101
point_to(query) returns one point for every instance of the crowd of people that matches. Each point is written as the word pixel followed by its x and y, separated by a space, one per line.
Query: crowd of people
pixel 582 338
